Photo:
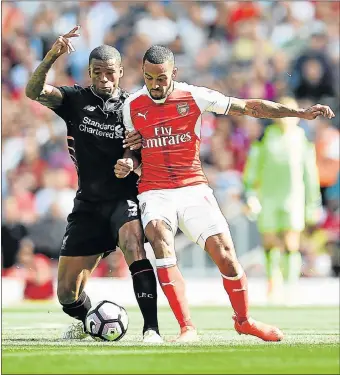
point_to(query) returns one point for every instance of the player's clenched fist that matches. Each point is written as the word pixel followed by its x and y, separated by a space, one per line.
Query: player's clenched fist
pixel 123 167
pixel 133 140
pixel 63 43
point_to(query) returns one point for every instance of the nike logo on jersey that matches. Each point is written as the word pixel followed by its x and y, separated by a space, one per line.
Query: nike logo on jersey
pixel 239 290
pixel 169 283
pixel 142 115
pixel 90 108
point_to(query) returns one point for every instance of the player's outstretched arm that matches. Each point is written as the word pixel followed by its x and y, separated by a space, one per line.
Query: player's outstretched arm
pixel 36 88
pixel 266 109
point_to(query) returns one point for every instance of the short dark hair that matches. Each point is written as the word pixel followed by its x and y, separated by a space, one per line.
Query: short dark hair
pixel 104 53
pixel 159 55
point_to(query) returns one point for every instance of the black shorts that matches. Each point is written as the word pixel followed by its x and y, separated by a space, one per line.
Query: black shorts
pixel 93 227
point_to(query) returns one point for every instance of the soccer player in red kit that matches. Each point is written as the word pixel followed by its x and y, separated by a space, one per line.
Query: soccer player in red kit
pixel 173 190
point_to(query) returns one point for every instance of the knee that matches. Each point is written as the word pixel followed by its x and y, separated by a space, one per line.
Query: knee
pixel 220 246
pixel 133 249
pixel 269 242
pixel 292 244
pixel 161 239
pixel 131 242
pixel 291 249
pixel 267 245
pixel 162 247
pixel 66 293
pixel 225 259
pixel 226 254
pixel 222 252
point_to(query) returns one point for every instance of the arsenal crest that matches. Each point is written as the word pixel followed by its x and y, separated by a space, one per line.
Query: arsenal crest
pixel 183 109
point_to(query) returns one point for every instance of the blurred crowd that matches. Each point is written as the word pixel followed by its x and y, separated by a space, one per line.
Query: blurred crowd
pixel 263 49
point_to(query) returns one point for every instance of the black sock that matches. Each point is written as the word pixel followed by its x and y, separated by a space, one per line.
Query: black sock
pixel 79 308
pixel 145 288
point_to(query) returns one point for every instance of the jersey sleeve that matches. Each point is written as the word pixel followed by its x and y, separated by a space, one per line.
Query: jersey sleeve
pixel 211 100
pixel 127 116
pixel 70 94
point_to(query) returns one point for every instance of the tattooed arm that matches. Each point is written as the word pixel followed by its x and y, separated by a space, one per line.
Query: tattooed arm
pixel 36 88
pixel 266 109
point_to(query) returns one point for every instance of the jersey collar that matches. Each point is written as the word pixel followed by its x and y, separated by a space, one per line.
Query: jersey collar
pixel 115 97
pixel 111 103
pixel 160 101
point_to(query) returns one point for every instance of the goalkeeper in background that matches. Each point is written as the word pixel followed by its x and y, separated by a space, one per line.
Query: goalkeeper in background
pixel 282 186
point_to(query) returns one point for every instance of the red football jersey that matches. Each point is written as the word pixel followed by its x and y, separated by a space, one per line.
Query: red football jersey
pixel 171 129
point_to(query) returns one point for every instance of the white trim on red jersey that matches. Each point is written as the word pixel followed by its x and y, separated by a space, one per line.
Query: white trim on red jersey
pixel 206 99
pixel 126 108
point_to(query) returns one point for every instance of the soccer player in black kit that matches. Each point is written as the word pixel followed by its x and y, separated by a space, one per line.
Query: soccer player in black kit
pixel 105 213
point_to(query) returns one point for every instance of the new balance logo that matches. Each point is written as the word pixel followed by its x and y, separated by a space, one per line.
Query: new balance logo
pixel 64 242
pixel 142 115
pixel 169 283
pixel 90 108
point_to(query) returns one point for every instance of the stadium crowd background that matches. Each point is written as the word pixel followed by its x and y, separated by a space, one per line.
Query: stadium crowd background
pixel 267 49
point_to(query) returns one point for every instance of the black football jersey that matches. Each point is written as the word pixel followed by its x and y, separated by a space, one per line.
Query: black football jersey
pixel 95 133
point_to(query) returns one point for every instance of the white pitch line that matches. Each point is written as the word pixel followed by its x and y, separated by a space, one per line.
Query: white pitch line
pixel 114 352
pixel 38 325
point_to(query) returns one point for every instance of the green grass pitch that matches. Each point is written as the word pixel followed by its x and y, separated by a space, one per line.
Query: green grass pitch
pixel 31 344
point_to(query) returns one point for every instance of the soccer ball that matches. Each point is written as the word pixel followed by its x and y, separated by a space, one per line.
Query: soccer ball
pixel 107 321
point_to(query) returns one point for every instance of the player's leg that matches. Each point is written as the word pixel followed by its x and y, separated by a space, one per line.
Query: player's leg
pixel 131 242
pixel 85 240
pixel 269 226
pixel 73 273
pixel 292 257
pixel 159 218
pixel 271 243
pixel 202 221
pixel 127 232
pixel 291 264
pixel 161 238
pixel 220 248
pixel 292 224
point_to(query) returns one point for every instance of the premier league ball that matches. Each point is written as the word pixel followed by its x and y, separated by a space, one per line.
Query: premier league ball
pixel 107 321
